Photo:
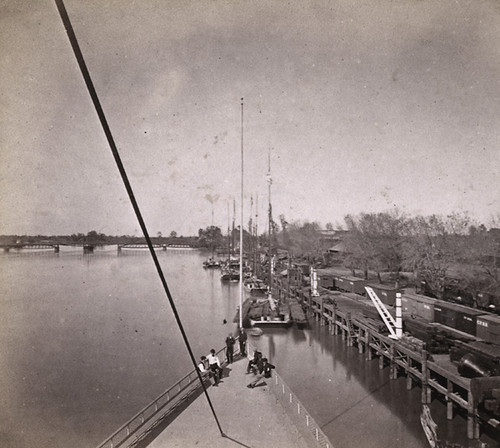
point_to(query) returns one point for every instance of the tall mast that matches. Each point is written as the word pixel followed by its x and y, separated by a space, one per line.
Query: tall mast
pixel 257 233
pixel 241 223
pixel 251 248
pixel 232 231
pixel 270 218
pixel 228 236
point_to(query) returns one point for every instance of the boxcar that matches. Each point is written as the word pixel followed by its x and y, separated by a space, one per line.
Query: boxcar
pixel 456 316
pixel 418 305
pixel 350 284
pixel 386 293
pixel 488 328
pixel 326 279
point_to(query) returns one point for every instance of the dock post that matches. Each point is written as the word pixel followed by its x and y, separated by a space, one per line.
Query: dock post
pixel 335 328
pixel 361 347
pixel 425 379
pixel 368 337
pixel 56 248
pixel 348 330
pixel 393 374
pixel 322 311
pixel 470 417
pixel 449 402
pixel 409 378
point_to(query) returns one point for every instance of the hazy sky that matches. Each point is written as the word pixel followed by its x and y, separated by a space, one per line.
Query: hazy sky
pixel 366 106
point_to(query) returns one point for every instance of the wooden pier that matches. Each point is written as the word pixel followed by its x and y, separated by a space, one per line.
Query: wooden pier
pixel 435 374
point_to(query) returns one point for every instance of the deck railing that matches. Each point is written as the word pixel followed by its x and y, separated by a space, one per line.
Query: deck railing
pixel 297 411
pixel 163 403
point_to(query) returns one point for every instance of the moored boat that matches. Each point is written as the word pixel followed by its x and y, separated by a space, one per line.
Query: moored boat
pixel 229 275
pixel 211 264
pixel 255 287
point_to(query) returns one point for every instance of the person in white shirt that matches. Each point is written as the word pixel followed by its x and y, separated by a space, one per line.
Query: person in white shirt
pixel 203 364
pixel 214 366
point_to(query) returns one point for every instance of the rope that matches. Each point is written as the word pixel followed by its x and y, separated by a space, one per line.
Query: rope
pixel 93 94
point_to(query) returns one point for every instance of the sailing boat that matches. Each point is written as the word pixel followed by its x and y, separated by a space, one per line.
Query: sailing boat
pixel 266 310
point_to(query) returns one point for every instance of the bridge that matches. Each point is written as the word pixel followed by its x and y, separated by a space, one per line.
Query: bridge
pixel 89 248
pixel 30 246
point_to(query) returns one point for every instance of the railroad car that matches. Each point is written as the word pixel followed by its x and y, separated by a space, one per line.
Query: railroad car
pixel 488 328
pixel 457 316
pixel 418 305
pixel 350 284
pixel 386 293
pixel 326 279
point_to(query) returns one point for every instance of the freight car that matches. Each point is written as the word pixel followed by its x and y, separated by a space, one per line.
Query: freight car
pixel 386 293
pixel 488 328
pixel 456 316
pixel 326 279
pixel 418 305
pixel 350 284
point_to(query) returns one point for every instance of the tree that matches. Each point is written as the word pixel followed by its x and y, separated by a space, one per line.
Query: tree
pixel 210 237
pixel 374 242
pixel 302 239
pixel 173 234
pixel 433 247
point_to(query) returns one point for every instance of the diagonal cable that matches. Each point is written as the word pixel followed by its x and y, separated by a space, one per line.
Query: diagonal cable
pixel 93 94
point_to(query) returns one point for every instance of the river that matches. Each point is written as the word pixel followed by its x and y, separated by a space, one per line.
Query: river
pixel 88 340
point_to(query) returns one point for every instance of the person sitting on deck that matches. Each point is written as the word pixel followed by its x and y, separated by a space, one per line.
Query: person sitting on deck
pixel 203 364
pixel 255 362
pixel 214 366
pixel 264 371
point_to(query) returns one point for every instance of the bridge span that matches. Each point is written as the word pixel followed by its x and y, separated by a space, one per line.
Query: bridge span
pixel 88 248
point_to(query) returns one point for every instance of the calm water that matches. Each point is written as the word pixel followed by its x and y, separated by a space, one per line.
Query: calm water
pixel 88 340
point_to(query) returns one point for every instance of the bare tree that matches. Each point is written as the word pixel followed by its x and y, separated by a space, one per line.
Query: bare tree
pixel 435 244
pixel 374 242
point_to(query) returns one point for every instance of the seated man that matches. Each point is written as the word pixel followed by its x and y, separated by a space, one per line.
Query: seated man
pixel 265 372
pixel 255 362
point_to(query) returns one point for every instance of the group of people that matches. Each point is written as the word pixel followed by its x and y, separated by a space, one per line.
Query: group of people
pixel 257 364
pixel 211 363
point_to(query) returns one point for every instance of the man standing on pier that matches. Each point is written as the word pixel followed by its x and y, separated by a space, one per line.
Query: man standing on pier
pixel 242 338
pixel 214 366
pixel 230 341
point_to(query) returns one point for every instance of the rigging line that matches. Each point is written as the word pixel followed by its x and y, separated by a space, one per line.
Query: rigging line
pixel 93 94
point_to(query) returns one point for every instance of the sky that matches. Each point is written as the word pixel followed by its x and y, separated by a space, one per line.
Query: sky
pixel 360 107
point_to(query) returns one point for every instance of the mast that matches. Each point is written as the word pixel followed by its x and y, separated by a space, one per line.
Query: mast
pixel 241 223
pixel 228 236
pixel 257 234
pixel 232 231
pixel 270 218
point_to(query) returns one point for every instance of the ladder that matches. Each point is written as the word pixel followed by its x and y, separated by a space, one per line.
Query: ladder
pixel 389 321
